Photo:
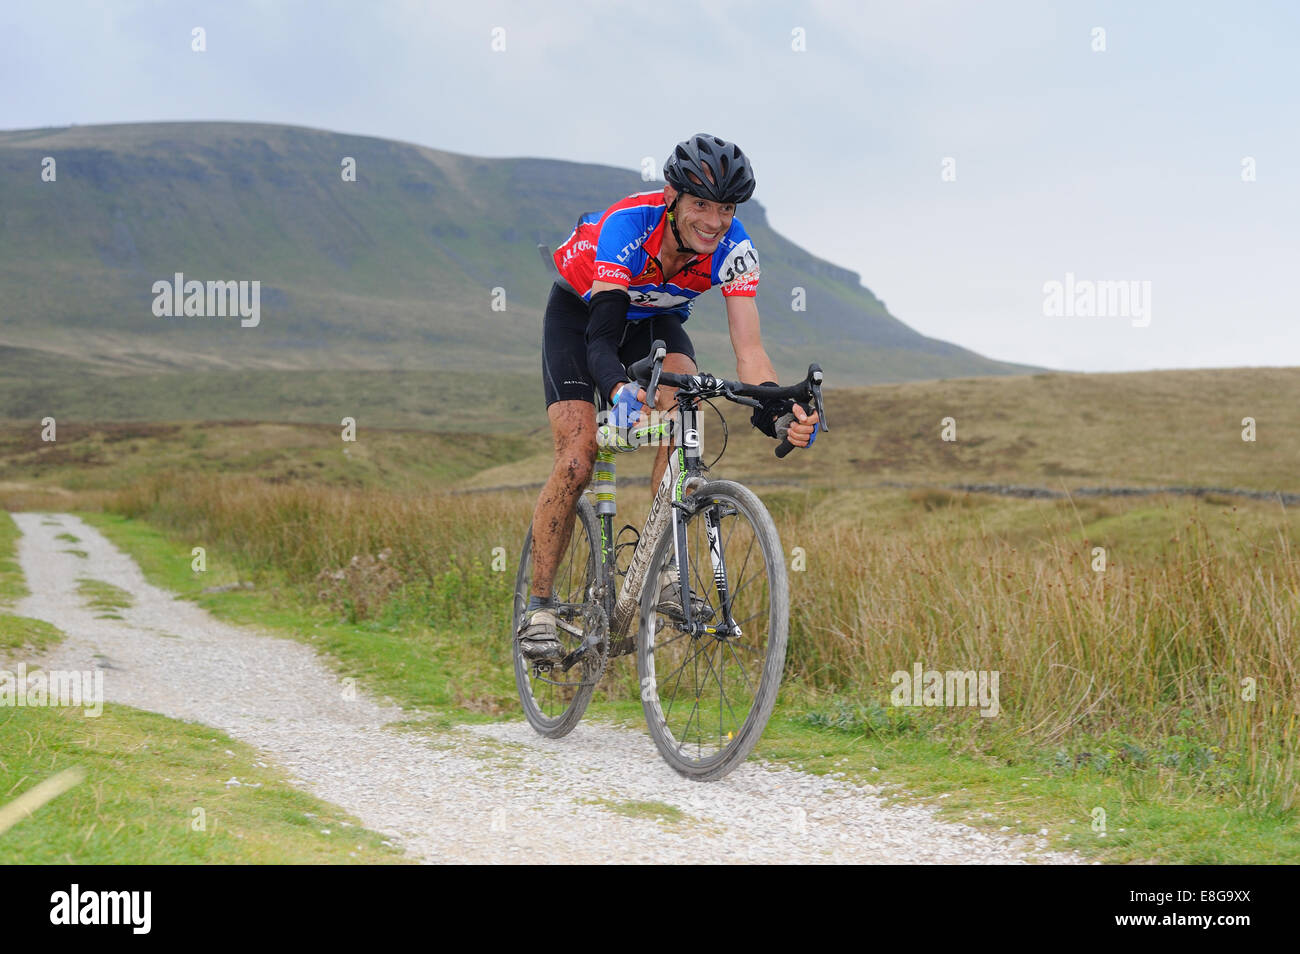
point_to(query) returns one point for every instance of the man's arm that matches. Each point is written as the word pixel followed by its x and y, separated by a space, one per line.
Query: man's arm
pixel 753 366
pixel 605 327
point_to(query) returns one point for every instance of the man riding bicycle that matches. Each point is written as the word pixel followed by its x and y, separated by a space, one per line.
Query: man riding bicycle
pixel 625 281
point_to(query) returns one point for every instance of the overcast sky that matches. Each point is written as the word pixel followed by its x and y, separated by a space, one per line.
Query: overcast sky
pixel 1122 164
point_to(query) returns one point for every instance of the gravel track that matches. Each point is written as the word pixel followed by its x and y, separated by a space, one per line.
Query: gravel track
pixel 481 793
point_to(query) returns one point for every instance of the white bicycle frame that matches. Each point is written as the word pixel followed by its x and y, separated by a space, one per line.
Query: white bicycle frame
pixel 682 476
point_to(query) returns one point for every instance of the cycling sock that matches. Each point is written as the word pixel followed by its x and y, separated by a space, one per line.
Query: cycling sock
pixel 537 602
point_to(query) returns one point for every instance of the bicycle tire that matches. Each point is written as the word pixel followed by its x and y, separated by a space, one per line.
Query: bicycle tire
pixel 563 705
pixel 657 660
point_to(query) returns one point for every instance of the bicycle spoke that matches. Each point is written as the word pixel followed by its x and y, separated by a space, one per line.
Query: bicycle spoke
pixel 716 662
pixel 668 642
pixel 759 574
pixel 749 649
pixel 744 563
pixel 732 647
pixel 726 544
pixel 677 672
pixel 704 587
pixel 721 691
pixel 695 708
pixel 718 673
pixel 572 561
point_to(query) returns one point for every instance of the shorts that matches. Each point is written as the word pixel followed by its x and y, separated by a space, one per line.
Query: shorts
pixel 564 346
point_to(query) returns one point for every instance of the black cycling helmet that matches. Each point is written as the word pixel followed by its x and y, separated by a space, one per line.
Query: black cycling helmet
pixel 729 177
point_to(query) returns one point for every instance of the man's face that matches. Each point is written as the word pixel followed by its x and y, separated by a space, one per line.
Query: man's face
pixel 702 223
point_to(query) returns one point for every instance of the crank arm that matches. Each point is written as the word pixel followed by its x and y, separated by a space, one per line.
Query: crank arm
pixel 570 628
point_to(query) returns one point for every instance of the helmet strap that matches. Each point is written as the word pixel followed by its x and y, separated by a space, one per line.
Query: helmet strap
pixel 682 247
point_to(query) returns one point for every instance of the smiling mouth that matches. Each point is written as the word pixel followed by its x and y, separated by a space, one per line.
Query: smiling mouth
pixel 707 236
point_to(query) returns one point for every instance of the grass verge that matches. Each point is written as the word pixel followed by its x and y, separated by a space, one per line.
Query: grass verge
pixel 12 584
pixel 160 791
pixel 19 633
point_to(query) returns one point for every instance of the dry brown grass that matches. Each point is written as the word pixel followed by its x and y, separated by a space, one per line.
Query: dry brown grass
pixel 1194 600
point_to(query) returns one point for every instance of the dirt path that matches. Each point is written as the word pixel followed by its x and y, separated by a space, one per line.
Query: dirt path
pixel 488 793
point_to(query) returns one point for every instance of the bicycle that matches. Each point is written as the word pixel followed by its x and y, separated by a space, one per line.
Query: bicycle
pixel 742 624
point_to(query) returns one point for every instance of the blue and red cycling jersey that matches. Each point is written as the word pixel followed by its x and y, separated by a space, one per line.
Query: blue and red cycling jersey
pixel 621 245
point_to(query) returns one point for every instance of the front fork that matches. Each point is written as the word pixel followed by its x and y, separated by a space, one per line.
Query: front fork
pixel 726 626
pixel 719 562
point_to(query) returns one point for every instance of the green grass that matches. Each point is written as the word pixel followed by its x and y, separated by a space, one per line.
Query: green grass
pixel 104 597
pixel 21 633
pixel 12 583
pixel 1026 796
pixel 653 810
pixel 1154 811
pixel 18 633
pixel 147 777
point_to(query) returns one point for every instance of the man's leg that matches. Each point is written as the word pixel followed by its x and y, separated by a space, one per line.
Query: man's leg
pixel 573 429
pixel 568 389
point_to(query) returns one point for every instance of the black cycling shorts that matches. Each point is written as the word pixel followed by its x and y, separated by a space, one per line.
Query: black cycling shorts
pixel 564 346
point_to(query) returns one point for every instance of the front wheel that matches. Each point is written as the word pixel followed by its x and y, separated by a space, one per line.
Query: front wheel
pixel 707 696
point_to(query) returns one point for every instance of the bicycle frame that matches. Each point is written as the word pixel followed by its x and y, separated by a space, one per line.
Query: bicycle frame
pixel 672 503
pixel 683 475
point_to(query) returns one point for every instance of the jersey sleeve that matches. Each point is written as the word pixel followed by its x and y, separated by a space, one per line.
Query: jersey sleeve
pixel 621 235
pixel 735 263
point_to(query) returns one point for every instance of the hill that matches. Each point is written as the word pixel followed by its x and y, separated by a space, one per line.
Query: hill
pixel 394 271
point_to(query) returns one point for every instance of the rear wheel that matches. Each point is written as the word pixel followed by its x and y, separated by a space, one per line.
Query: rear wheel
pixel 707 697
pixel 555 699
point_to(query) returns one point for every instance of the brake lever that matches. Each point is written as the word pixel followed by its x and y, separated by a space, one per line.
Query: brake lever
pixel 814 381
pixel 815 378
pixel 660 353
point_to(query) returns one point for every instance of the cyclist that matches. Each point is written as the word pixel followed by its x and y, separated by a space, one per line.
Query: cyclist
pixel 628 276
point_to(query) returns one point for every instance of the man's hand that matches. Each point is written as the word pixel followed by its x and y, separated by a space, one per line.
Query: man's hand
pixel 627 405
pixel 803 429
